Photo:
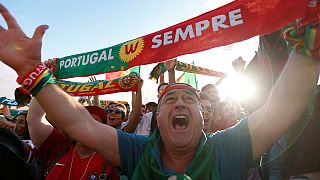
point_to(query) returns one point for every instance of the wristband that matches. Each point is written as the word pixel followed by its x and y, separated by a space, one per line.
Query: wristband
pixel 304 40
pixel 36 79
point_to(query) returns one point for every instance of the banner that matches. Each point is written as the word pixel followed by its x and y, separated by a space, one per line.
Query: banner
pixel 123 84
pixel 234 22
pixel 160 69
pixel 118 74
pixel 9 102
pixel 189 78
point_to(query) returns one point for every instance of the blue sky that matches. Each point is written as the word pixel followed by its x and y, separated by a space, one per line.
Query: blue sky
pixel 81 26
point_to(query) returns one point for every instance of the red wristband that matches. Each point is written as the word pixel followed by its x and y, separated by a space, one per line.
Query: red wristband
pixel 31 79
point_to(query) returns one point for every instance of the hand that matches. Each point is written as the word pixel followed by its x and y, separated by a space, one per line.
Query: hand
pixel 238 64
pixel 17 50
pixel 50 63
pixel 140 83
pixel 170 64
pixel 7 124
pixel 91 79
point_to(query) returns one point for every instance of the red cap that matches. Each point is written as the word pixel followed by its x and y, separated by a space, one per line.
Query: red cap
pixel 98 111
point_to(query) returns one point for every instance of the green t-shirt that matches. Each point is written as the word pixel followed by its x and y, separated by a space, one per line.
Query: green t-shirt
pixel 232 152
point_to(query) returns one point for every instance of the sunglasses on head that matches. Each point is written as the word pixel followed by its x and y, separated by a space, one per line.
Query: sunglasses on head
pixel 207 108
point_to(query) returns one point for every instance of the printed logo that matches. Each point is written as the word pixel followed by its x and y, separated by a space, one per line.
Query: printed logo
pixel 129 81
pixel 130 50
pixel 59 164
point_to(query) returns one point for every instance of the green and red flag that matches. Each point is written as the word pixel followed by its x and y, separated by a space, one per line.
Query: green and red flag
pixel 234 22
pixel 189 78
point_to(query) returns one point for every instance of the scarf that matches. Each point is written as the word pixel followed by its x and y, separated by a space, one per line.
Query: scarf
pixel 234 22
pixel 201 167
pixel 122 84
pixel 160 69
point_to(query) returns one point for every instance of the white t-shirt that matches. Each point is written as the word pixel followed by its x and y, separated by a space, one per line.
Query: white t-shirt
pixel 144 127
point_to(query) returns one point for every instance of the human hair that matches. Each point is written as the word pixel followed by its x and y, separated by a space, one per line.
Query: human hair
pixel 162 84
pixel 204 96
pixel 153 104
pixel 25 135
pixel 207 87
pixel 112 103
pixel 123 108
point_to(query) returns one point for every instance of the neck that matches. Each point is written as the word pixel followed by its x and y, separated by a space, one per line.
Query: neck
pixel 177 161
pixel 83 151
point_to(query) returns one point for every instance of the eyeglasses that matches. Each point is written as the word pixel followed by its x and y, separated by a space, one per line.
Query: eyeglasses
pixel 207 108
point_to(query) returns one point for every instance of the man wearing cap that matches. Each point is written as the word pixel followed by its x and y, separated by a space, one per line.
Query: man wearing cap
pixel 179 148
pixel 64 158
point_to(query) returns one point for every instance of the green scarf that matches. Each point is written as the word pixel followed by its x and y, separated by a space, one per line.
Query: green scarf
pixel 201 167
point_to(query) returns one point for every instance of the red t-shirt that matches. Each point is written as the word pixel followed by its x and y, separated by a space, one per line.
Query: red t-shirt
pixel 70 165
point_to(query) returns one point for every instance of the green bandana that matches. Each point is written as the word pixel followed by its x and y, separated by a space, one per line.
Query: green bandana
pixel 201 167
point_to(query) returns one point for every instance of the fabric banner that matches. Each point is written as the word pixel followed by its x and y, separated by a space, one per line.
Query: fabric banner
pixel 189 78
pixel 160 69
pixel 234 22
pixel 123 84
pixel 9 102
pixel 197 70
pixel 118 74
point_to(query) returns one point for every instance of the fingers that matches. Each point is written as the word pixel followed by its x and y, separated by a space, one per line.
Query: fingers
pixel 11 22
pixel 50 63
pixel 92 78
pixel 39 32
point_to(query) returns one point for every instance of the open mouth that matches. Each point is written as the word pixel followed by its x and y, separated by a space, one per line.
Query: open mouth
pixel 111 118
pixel 180 122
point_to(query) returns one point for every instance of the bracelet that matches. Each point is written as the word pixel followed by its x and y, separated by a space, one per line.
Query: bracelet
pixel 304 40
pixel 36 79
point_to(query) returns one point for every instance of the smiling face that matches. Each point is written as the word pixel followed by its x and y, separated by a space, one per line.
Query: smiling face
pixel 115 117
pixel 207 111
pixel 179 119
pixel 213 94
pixel 21 124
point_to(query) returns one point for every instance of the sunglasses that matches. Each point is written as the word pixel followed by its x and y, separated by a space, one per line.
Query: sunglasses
pixel 116 111
pixel 207 108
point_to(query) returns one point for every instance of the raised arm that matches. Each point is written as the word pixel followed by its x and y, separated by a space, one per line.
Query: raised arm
pixel 286 103
pixel 96 101
pixel 135 114
pixel 23 54
pixel 170 65
pixel 39 127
